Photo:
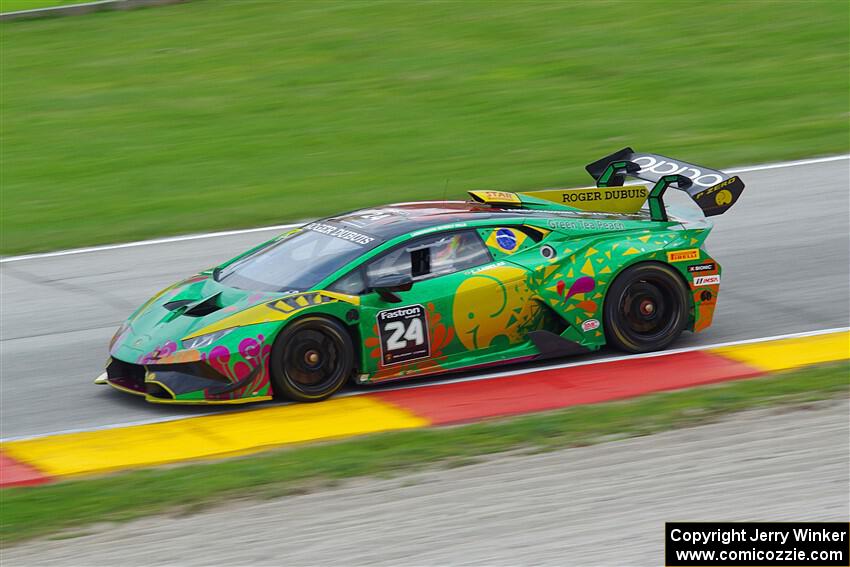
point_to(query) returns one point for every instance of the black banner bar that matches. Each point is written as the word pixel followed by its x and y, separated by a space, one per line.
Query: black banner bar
pixel 744 544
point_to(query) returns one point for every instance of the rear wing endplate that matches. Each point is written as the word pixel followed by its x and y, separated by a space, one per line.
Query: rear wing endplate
pixel 714 191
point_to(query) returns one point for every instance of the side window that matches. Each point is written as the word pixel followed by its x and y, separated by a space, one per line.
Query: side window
pixel 394 262
pixel 455 252
pixel 351 284
pixel 432 256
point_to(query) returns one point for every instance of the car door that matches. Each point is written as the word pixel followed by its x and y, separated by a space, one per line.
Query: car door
pixel 411 331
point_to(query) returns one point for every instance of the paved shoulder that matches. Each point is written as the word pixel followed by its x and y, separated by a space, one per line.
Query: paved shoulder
pixel 598 505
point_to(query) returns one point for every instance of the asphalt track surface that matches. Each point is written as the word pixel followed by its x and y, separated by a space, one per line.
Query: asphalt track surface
pixel 599 505
pixel 784 249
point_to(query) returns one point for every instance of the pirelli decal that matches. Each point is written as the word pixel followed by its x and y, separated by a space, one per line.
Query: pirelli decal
pixel 683 255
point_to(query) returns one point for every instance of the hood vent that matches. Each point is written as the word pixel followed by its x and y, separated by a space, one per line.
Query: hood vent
pixel 204 308
pixel 193 307
pixel 175 305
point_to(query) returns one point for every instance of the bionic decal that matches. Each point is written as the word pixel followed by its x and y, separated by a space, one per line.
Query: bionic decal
pixel 708 267
pixel 403 334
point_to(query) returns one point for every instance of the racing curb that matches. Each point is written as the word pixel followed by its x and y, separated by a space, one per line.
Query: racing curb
pixel 44 459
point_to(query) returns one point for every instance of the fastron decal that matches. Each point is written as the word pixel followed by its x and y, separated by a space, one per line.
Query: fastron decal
pixel 590 325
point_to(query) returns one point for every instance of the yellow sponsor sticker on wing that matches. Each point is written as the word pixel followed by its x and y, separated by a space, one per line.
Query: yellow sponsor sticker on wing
pixel 596 199
pixel 683 255
pixel 503 197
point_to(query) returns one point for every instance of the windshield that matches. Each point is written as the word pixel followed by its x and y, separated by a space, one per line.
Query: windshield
pixel 299 261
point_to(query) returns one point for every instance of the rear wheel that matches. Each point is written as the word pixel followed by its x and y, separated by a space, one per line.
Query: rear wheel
pixel 311 359
pixel 646 308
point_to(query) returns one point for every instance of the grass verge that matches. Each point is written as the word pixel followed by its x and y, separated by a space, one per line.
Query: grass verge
pixel 15 5
pixel 29 512
pixel 118 126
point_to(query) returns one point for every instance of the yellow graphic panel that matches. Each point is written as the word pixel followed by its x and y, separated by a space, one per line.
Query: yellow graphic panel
pixel 492 308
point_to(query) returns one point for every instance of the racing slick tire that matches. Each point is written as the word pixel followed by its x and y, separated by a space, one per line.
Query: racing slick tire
pixel 646 308
pixel 311 359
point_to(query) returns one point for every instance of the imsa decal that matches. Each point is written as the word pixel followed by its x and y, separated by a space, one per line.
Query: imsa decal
pixel 706 280
pixel 403 333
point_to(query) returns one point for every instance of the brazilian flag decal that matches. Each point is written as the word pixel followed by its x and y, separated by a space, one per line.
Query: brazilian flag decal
pixel 505 240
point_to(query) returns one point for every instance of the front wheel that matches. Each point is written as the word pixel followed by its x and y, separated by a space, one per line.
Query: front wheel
pixel 646 308
pixel 311 359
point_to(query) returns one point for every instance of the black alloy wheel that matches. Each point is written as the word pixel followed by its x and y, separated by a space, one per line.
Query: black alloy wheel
pixel 311 359
pixel 646 308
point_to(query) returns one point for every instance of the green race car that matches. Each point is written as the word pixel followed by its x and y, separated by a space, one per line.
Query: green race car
pixel 420 288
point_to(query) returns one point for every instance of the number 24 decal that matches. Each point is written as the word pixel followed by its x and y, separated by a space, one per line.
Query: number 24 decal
pixel 403 334
pixel 413 333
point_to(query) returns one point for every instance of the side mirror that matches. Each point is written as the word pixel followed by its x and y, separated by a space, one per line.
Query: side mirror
pixel 387 285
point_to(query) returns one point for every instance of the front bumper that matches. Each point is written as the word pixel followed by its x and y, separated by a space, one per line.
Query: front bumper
pixel 184 383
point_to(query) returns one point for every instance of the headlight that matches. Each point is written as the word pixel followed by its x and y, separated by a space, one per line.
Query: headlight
pixel 202 341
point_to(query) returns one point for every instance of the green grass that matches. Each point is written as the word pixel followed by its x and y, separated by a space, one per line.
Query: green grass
pixel 15 5
pixel 29 512
pixel 212 114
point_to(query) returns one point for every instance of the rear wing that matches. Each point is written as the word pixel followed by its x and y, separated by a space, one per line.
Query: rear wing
pixel 713 190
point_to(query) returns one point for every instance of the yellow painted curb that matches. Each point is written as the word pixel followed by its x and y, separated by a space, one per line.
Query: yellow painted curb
pixel 209 436
pixel 790 353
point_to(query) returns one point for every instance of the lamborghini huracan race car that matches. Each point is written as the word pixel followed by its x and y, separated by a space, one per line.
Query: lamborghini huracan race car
pixel 420 288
